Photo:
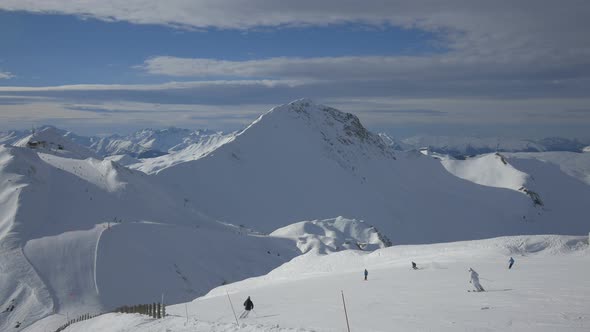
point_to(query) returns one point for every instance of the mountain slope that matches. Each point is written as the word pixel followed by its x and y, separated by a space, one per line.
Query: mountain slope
pixel 493 170
pixel 76 236
pixel 79 234
pixel 148 143
pixel 303 161
pixel 51 140
pixel 574 164
pixel 192 152
pixel 87 235
pixel 557 182
pixel 307 293
pixel 53 210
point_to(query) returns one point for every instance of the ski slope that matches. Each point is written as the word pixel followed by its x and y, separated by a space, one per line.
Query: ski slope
pixel 546 290
pixel 79 234
pixel 136 262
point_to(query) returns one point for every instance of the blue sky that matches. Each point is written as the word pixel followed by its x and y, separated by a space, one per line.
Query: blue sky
pixel 43 50
pixel 405 68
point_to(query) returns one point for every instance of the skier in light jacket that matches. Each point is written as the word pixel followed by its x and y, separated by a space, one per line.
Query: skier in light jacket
pixel 475 281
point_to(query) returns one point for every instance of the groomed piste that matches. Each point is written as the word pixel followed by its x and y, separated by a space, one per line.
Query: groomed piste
pixel 546 290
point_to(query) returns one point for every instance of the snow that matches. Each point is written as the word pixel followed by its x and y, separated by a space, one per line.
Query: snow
pixel 305 294
pixel 152 141
pixel 303 161
pixel 555 179
pixel 9 137
pixel 67 267
pixel 457 145
pixel 180 262
pixel 109 271
pixel 394 143
pixel 170 139
pixel 123 159
pixel 192 152
pixel 574 164
pixel 491 170
pixel 79 234
pixel 331 235
pixel 49 206
pixel 52 141
pixel 143 142
pixel 461 146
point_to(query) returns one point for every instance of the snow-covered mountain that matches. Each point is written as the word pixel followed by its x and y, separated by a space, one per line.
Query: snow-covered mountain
pixel 194 151
pixel 493 170
pixel 83 234
pixel 9 137
pixel 498 170
pixel 303 161
pixel 394 143
pixel 145 143
pixel 149 143
pixel 468 146
pixel 54 141
pixel 86 235
pixel 561 144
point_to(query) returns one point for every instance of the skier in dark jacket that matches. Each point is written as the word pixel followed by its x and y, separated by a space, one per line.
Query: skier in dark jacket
pixel 414 266
pixel 366 274
pixel 510 263
pixel 248 305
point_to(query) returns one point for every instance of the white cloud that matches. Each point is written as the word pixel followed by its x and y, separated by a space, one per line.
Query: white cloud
pixel 5 75
pixel 149 87
pixel 450 66
pixel 548 115
pixel 505 59
pixel 502 48
pixel 488 28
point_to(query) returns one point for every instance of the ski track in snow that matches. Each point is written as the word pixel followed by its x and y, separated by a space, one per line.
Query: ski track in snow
pixel 546 290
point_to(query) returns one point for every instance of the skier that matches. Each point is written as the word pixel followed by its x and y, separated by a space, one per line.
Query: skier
pixel 248 305
pixel 475 281
pixel 511 262
pixel 414 266
pixel 10 306
pixel 366 274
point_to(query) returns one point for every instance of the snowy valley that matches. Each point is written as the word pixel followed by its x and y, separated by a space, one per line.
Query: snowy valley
pixel 290 211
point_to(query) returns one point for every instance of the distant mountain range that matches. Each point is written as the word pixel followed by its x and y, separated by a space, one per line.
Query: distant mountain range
pixel 151 143
pixel 460 147
pixel 145 143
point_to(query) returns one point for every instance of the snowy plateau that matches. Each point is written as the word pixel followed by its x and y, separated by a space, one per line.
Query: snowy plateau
pixel 290 211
